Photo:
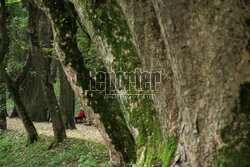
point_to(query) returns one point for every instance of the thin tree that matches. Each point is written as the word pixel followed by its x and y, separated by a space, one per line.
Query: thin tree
pixel 3 113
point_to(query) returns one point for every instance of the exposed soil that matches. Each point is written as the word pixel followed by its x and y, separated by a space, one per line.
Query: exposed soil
pixel 82 131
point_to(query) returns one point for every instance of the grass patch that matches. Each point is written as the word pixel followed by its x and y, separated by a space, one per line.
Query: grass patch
pixel 71 152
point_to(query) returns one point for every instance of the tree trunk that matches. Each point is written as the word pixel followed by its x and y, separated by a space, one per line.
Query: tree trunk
pixel 142 47
pixel 67 101
pixel 21 110
pixel 43 69
pixel 29 126
pixel 13 86
pixel 203 98
pixel 32 96
pixel 106 114
pixel 206 43
pixel 54 66
pixel 3 112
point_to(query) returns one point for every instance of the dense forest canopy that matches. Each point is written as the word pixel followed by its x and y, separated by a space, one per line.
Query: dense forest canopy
pixel 166 82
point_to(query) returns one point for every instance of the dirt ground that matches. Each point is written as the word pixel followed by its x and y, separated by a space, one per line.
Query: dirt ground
pixel 82 131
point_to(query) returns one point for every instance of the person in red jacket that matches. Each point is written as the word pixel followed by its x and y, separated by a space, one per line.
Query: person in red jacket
pixel 81 115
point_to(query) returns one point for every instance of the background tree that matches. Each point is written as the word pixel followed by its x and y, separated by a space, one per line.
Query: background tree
pixel 13 85
pixel 67 101
pixel 30 87
pixel 3 112
pixel 32 96
pixel 42 64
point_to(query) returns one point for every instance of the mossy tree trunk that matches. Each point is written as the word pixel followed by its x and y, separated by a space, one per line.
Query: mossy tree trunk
pixel 42 64
pixel 13 85
pixel 106 114
pixel 149 43
pixel 138 45
pixel 3 112
pixel 203 48
pixel 67 101
pixel 167 38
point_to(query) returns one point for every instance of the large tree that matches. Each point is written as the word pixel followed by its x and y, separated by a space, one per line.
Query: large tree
pixel 42 65
pixel 203 99
pixel 30 85
pixel 113 126
pixel 32 96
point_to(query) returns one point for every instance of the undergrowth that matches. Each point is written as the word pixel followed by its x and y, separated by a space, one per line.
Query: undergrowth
pixel 71 152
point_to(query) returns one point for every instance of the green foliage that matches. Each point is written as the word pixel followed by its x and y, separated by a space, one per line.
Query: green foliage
pixel 71 152
pixel 236 136
pixel 1 132
pixel 57 88
pixel 9 103
pixel 11 2
pixel 2 107
pixel 77 106
pixel 88 161
pixel 87 49
pixel 19 46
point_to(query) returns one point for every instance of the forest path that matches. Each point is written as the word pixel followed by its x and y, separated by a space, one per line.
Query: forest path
pixel 82 131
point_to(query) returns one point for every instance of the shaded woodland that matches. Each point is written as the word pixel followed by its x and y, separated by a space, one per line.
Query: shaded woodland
pixel 184 64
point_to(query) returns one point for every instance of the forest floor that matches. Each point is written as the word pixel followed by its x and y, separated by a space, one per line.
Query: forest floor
pixel 71 152
pixel 82 132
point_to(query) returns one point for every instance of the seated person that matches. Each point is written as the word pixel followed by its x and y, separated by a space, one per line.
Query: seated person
pixel 81 115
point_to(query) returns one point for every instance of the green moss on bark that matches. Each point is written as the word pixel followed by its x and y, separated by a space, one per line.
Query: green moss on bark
pixel 108 22
pixel 109 110
pixel 156 151
pixel 236 136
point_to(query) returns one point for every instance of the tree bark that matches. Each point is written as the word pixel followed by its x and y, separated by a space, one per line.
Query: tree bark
pixel 112 126
pixel 207 50
pixel 13 85
pixel 67 101
pixel 32 96
pixel 202 46
pixel 146 36
pixel 54 66
pixel 141 47
pixel 3 112
pixel 43 69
